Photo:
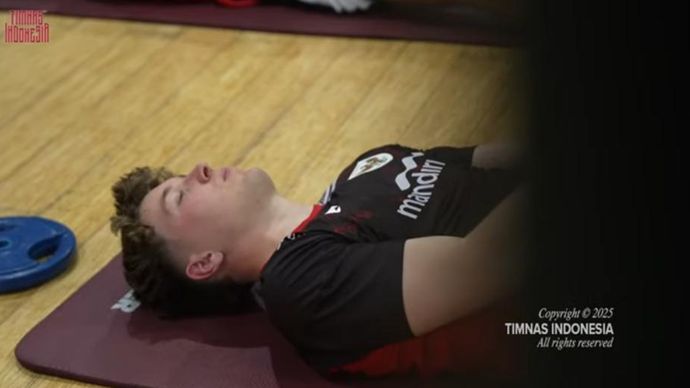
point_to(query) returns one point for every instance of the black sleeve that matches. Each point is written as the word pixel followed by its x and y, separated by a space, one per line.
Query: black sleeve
pixel 330 294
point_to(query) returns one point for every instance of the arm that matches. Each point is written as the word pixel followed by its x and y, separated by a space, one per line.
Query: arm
pixel 447 277
pixel 497 155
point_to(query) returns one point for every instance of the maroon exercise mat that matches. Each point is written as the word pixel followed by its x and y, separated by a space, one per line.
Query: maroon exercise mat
pixel 91 337
pixel 444 24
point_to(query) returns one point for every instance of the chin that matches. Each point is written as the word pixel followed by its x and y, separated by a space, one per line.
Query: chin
pixel 262 178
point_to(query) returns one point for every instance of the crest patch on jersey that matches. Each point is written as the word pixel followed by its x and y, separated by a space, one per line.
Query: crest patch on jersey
pixel 333 209
pixel 370 164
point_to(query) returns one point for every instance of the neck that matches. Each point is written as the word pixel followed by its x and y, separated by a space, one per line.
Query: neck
pixel 281 218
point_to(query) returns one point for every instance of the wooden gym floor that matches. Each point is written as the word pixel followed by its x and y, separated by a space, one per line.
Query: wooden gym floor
pixel 105 96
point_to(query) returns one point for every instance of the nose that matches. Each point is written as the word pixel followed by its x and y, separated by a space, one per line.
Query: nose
pixel 201 173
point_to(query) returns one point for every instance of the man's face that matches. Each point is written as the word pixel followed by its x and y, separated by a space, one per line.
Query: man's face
pixel 207 209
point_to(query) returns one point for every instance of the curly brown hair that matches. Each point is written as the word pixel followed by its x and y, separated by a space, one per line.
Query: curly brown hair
pixel 147 260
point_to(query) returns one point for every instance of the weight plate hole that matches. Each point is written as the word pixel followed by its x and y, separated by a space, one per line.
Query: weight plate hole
pixel 45 249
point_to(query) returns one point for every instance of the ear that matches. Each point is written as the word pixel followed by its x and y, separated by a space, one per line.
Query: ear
pixel 204 265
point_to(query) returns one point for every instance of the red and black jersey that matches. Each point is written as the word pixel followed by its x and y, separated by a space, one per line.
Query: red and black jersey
pixel 334 286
